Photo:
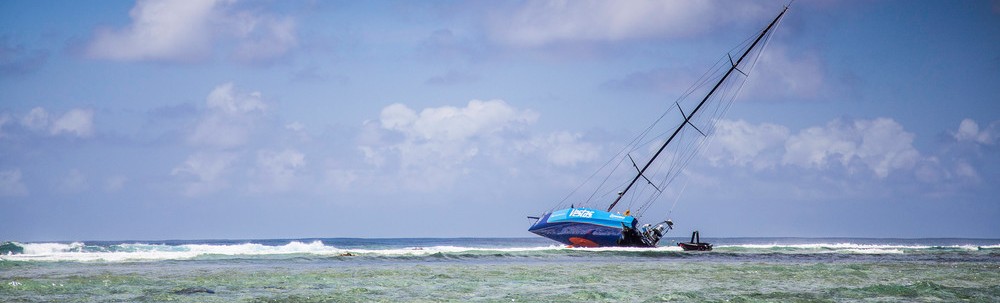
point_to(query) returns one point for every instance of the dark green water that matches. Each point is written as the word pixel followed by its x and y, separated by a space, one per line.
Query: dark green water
pixel 625 281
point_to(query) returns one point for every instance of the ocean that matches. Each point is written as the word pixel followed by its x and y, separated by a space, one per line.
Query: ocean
pixel 503 270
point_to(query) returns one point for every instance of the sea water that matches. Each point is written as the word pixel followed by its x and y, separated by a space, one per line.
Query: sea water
pixel 503 270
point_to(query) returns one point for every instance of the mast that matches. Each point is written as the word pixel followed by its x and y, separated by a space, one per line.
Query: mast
pixel 687 118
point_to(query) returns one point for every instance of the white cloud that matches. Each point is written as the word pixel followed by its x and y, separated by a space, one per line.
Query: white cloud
pixel 276 171
pixel 79 122
pixel 968 131
pixel 882 145
pixel 204 172
pixel 231 117
pixel 430 147
pixel 262 37
pixel 10 183
pixel 539 23
pixel 740 143
pixel 779 74
pixel 225 99
pixel 36 119
pixel 184 31
pixel 160 30
pixel 567 149
pixel 450 123
pixel 560 148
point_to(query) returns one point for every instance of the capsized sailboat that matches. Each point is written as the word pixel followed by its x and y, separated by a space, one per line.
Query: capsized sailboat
pixel 593 227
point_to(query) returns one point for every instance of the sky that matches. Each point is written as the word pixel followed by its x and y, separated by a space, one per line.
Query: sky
pixel 239 119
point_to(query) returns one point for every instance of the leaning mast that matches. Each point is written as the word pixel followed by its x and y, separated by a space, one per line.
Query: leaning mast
pixel 687 118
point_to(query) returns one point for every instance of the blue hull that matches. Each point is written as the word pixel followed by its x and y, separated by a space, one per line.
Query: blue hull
pixel 583 227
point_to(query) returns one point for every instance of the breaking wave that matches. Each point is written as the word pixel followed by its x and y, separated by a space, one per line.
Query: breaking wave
pixel 400 250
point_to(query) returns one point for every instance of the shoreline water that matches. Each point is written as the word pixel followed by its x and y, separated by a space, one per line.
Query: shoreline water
pixel 503 270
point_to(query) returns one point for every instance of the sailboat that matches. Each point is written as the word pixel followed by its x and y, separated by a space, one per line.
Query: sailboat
pixel 603 227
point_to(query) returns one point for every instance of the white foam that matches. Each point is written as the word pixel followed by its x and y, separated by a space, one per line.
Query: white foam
pixel 77 251
pixel 851 247
pixel 145 252
pixel 50 248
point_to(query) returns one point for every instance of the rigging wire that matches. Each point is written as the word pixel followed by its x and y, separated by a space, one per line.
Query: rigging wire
pixel 719 104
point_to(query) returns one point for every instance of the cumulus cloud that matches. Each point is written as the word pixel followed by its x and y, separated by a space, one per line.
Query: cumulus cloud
pixel 430 147
pixel 560 148
pixel 36 119
pixel 230 117
pixel 451 123
pixel 11 185
pixel 882 145
pixel 185 31
pixel 968 131
pixel 566 149
pixel 276 171
pixel 204 172
pixel 540 23
pixel 740 143
pixel 79 122
pixel 160 30
pixel 262 37
pixel 76 122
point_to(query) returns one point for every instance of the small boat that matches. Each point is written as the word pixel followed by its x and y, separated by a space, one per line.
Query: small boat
pixel 695 244
pixel 603 226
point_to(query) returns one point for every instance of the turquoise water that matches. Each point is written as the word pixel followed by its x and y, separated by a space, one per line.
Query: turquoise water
pixel 503 270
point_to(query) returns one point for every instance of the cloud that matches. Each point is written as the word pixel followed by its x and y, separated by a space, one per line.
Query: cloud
pixel 540 23
pixel 17 60
pixel 778 75
pixel 204 172
pixel 36 119
pixel 230 117
pixel 263 38
pixel 968 131
pixel 277 171
pixel 739 143
pixel 881 145
pixel 559 148
pixel 430 149
pixel 781 74
pixel 11 185
pixel 452 124
pixel 187 31
pixel 160 31
pixel 77 122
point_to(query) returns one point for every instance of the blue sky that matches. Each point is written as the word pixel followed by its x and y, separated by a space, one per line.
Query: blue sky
pixel 284 119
